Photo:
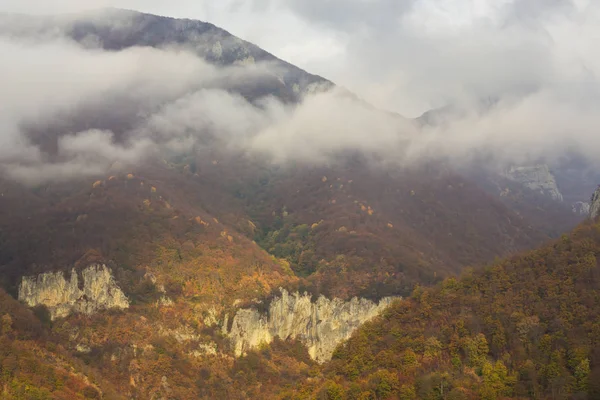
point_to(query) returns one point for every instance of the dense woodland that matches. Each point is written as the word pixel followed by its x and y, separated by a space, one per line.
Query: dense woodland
pixel 379 230
pixel 185 229
pixel 526 327
pixel 33 366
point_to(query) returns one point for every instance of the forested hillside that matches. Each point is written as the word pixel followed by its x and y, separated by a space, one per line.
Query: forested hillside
pixel 34 366
pixel 526 327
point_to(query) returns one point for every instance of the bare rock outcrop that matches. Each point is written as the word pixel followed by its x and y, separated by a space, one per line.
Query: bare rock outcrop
pixel 595 204
pixel 581 208
pixel 63 297
pixel 320 325
pixel 538 178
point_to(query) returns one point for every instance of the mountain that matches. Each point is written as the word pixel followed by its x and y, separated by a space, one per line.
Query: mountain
pixel 169 276
pixel 115 29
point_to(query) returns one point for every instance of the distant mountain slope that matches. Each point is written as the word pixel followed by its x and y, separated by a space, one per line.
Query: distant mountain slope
pixel 359 230
pixel 565 178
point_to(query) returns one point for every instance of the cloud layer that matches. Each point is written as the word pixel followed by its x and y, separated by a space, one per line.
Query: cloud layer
pixel 520 77
pixel 407 56
pixel 74 111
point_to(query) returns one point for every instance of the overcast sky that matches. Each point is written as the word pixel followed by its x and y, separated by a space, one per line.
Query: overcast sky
pixel 407 56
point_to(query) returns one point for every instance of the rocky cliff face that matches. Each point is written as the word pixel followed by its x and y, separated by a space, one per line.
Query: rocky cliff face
pixel 537 178
pixel 595 204
pixel 581 208
pixel 63 297
pixel 320 325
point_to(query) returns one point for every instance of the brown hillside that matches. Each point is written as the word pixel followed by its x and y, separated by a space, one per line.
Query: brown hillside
pixel 527 327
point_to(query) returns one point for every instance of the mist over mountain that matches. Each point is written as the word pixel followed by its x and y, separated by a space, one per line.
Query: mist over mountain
pixel 290 125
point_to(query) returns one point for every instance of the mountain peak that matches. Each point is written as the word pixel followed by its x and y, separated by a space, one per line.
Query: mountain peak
pixel 116 29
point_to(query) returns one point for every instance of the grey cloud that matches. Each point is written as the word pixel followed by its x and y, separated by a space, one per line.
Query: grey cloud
pixel 352 15
pixel 168 99
pixel 96 146
pixel 330 123
pixel 539 82
pixel 532 11
pixel 53 90
pixel 421 54
pixel 84 154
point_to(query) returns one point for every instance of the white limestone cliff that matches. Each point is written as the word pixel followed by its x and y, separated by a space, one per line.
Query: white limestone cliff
pixel 63 297
pixel 537 178
pixel 581 208
pixel 320 325
pixel 595 204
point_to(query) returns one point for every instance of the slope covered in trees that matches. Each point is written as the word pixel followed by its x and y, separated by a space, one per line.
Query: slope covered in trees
pixel 526 327
pixel 374 231
pixel 33 365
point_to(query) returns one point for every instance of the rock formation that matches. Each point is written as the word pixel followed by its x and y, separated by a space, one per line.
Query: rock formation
pixel 537 178
pixel 595 204
pixel 581 208
pixel 63 297
pixel 320 325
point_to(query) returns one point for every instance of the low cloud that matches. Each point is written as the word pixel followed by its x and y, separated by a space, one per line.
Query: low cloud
pixel 73 110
